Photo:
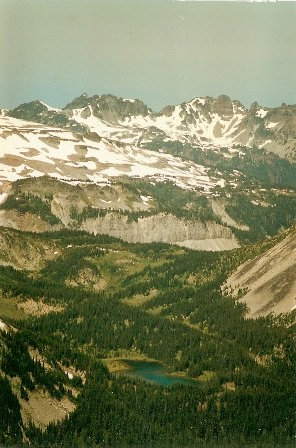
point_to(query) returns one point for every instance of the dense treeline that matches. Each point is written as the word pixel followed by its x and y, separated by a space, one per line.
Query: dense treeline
pixel 93 213
pixel 166 198
pixel 10 416
pixel 30 203
pixel 17 362
pixel 278 213
pixel 187 324
pixel 130 413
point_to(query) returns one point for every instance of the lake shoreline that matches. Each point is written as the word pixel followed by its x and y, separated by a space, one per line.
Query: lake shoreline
pixel 148 370
pixel 120 364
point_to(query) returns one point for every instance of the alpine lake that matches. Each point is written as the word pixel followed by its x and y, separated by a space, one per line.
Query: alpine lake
pixel 154 372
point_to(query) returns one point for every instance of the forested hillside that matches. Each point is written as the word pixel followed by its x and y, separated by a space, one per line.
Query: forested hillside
pixel 96 298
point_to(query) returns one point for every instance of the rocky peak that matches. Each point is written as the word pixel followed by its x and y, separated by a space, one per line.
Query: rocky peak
pixel 39 112
pixel 79 102
pixel 109 107
pixel 167 111
pixel 122 107
pixel 254 107
pixel 223 106
pixel 27 111
pixel 34 106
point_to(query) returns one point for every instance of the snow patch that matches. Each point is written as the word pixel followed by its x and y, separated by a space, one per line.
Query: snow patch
pixel 3 196
pixel 129 100
pixel 261 113
pixel 145 199
pixel 265 143
pixel 271 125
pixel 89 165
pixel 201 101
pixel 49 108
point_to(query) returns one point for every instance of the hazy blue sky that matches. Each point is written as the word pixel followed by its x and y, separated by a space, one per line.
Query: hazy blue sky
pixel 162 52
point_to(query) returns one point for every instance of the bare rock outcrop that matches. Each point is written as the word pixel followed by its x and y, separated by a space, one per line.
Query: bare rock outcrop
pixel 164 228
pixel 269 280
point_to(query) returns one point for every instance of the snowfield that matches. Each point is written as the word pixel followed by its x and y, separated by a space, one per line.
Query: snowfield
pixel 30 150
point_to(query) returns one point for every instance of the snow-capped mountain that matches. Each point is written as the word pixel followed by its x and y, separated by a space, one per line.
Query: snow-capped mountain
pixel 191 172
pixel 29 149
pixel 203 122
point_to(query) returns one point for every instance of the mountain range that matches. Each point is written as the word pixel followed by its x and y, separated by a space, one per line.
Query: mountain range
pixel 218 175
pixel 128 235
pixel 202 122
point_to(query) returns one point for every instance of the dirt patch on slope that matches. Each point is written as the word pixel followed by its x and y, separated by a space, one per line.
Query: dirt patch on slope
pixel 39 308
pixel 88 279
pixel 42 409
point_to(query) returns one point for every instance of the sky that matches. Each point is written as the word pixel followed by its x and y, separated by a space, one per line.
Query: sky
pixel 160 51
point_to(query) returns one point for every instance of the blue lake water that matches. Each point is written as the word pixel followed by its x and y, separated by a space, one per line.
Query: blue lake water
pixel 154 372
